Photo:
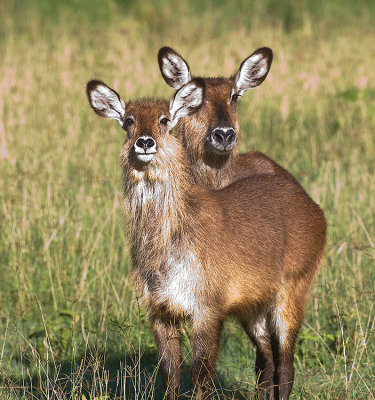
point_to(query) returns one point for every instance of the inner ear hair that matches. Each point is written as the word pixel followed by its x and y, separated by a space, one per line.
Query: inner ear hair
pixel 254 70
pixel 105 101
pixel 187 99
pixel 174 69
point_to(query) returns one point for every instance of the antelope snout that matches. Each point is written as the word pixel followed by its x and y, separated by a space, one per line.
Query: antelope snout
pixel 223 139
pixel 145 148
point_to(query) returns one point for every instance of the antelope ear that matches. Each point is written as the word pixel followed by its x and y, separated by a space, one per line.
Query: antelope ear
pixel 174 69
pixel 253 71
pixel 186 100
pixel 105 101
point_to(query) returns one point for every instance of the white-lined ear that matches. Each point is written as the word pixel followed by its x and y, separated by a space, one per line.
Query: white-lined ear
pixel 253 71
pixel 105 101
pixel 174 69
pixel 186 101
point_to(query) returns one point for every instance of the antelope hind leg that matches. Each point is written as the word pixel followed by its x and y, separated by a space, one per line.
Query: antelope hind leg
pixel 260 335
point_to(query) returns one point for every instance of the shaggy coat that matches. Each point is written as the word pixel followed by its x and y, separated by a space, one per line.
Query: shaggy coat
pixel 250 250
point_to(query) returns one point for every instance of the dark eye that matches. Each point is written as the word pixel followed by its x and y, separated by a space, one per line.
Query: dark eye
pixel 164 121
pixel 129 121
pixel 235 97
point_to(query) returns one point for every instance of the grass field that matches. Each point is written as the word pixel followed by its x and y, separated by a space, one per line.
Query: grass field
pixel 70 322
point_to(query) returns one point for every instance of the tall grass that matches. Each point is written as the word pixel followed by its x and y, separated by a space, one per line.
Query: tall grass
pixel 70 322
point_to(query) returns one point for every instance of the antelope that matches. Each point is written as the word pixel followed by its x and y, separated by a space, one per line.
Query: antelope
pixel 210 136
pixel 250 250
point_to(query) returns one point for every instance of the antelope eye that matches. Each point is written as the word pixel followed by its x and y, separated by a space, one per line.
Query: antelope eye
pixel 129 121
pixel 164 121
pixel 235 97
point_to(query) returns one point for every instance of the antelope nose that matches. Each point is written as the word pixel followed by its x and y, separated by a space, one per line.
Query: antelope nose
pixel 223 137
pixel 145 143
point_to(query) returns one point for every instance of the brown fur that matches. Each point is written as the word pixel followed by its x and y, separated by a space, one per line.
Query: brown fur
pixel 210 168
pixel 250 250
pixel 214 170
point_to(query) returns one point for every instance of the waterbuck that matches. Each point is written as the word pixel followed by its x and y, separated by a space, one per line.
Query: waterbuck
pixel 210 136
pixel 250 250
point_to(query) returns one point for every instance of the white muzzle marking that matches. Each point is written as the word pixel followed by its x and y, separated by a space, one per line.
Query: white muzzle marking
pixel 145 154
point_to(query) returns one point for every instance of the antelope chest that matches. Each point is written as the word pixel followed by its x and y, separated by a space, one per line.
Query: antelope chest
pixel 182 284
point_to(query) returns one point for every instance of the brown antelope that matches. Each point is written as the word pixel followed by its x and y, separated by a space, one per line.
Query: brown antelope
pixel 250 250
pixel 210 135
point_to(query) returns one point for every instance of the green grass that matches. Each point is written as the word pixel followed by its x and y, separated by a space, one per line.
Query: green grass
pixel 70 322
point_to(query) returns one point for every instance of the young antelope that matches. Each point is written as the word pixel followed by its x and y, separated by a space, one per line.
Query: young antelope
pixel 250 250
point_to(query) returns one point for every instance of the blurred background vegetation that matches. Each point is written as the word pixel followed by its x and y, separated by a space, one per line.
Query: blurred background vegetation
pixel 70 322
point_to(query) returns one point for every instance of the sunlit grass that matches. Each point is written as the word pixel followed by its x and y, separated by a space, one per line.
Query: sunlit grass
pixel 70 322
